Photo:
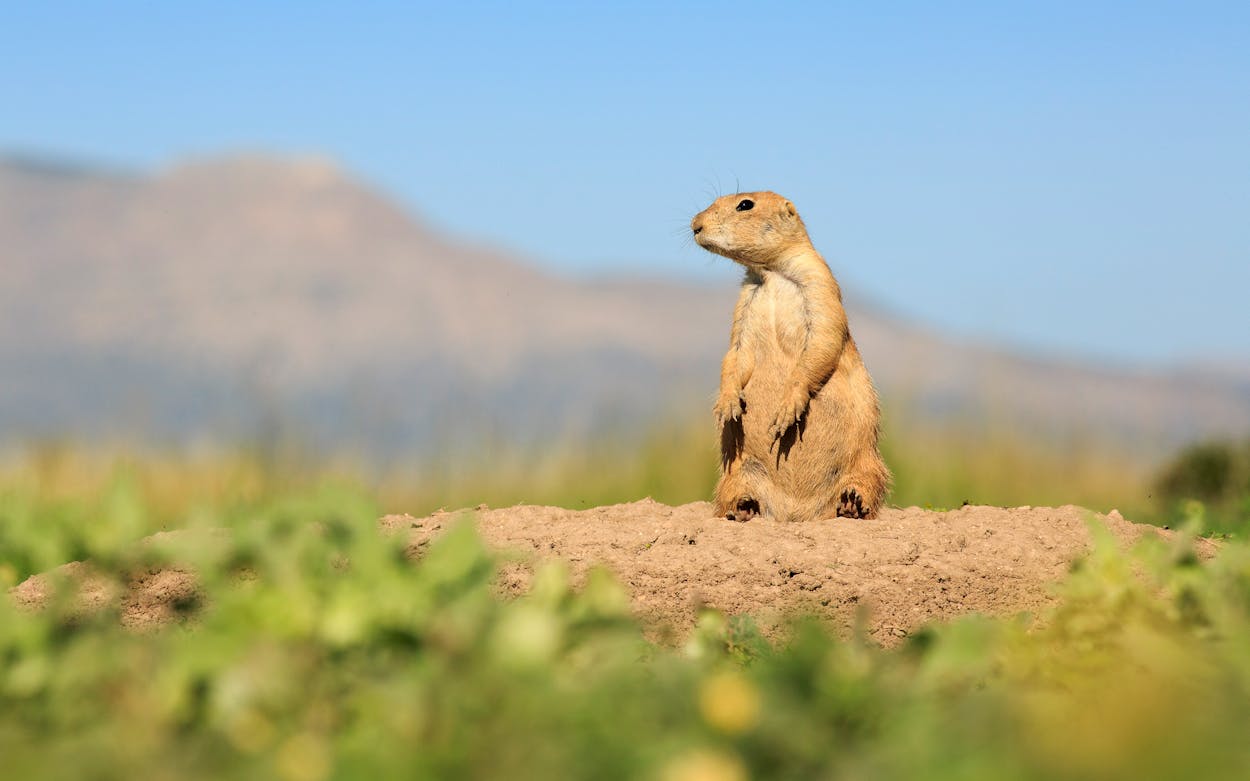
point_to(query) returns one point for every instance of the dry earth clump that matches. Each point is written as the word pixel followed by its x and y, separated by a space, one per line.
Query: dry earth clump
pixel 905 568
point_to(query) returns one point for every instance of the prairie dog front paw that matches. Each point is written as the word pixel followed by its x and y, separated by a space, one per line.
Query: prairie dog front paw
pixel 728 407
pixel 792 409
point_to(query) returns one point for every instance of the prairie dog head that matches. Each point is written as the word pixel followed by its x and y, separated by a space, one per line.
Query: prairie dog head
pixel 754 229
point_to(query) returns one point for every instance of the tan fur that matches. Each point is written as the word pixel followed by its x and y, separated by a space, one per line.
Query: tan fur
pixel 798 414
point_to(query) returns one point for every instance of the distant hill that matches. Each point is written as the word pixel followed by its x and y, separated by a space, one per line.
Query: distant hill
pixel 227 298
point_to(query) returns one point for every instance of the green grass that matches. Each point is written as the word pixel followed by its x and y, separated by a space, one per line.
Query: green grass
pixel 936 467
pixel 674 462
pixel 941 468
pixel 1215 474
pixel 337 658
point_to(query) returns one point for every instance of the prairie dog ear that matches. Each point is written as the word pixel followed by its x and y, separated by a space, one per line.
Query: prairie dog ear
pixel 789 207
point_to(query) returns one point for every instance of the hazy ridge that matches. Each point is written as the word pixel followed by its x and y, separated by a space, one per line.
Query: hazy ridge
pixel 226 298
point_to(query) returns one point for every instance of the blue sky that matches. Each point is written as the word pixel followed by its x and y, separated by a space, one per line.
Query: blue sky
pixel 1067 178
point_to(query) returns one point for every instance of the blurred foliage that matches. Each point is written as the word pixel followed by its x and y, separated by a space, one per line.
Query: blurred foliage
pixel 1215 474
pixel 319 651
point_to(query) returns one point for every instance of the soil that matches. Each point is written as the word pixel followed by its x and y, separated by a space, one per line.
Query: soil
pixel 907 567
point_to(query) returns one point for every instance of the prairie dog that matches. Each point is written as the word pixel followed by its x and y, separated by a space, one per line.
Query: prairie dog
pixel 798 414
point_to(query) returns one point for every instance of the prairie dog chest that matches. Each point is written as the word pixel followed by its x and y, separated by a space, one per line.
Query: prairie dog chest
pixel 776 317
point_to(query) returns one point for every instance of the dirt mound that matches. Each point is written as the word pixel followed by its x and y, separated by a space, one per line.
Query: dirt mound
pixel 148 598
pixel 903 569
pixel 907 567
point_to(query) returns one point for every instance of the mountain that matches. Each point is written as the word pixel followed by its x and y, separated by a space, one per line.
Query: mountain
pixel 226 298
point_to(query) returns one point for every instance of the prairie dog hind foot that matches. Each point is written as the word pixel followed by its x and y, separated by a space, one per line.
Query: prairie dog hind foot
pixel 851 505
pixel 744 510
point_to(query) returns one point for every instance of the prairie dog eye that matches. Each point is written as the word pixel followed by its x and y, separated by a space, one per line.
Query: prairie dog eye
pixel 746 204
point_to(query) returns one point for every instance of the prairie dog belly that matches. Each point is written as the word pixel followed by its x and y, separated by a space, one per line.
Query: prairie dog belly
pixel 775 325
pixel 773 335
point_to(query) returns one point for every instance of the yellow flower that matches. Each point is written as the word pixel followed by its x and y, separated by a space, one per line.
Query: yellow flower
pixel 729 703
pixel 304 757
